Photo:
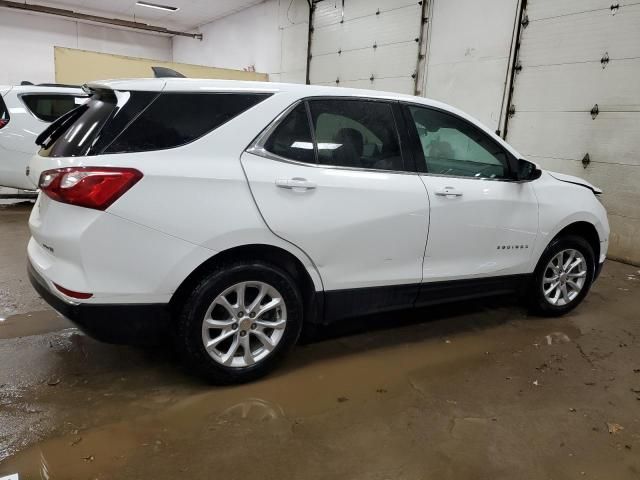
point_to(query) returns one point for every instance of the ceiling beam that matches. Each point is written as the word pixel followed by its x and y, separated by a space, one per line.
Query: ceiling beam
pixel 60 12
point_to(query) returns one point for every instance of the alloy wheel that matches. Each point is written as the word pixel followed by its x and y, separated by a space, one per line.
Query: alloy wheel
pixel 244 324
pixel 564 277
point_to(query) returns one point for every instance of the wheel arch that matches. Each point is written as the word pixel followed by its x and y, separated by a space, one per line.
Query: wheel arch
pixel 584 230
pixel 313 300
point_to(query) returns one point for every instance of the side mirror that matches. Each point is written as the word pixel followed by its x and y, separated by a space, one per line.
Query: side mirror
pixel 527 171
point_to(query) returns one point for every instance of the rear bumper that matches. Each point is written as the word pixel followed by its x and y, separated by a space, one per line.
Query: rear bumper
pixel 131 324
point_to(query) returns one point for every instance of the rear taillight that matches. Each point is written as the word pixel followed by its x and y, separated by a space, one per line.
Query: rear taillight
pixel 72 293
pixel 90 187
pixel 3 122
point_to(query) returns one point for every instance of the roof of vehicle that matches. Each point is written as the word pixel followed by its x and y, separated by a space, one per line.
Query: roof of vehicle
pixel 197 84
pixel 297 89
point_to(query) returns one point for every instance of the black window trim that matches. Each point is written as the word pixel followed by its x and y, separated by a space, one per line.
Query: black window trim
pixel 257 145
pixel 416 148
pixel 32 94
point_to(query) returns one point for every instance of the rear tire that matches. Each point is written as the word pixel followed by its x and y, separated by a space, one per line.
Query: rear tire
pixel 562 277
pixel 228 339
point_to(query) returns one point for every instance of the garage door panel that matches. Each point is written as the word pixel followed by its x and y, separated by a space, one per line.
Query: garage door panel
pixel 611 138
pixel 458 84
pixel 355 9
pixel 396 84
pixel 562 40
pixel 388 61
pixel 578 87
pixel 475 42
pixel 366 44
pixel 561 80
pixel 330 12
pixel 621 195
pixel 367 31
pixel 554 8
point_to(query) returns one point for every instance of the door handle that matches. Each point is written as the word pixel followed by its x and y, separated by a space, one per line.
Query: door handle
pixel 448 192
pixel 295 183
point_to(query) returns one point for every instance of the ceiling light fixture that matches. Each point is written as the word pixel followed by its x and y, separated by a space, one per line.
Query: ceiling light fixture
pixel 166 8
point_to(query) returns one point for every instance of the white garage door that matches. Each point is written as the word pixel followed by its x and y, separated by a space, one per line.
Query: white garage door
pixel 366 44
pixel 574 55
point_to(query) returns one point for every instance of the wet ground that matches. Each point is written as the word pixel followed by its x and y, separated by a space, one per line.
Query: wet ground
pixel 476 390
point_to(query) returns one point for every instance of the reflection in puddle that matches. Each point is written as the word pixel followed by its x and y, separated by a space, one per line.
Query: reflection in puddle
pixel 253 409
pixel 33 323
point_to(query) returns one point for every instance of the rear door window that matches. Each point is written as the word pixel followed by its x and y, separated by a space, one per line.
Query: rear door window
pixel 291 139
pixel 48 107
pixel 356 133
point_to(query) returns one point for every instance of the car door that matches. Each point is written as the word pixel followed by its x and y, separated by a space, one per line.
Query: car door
pixel 482 222
pixel 342 192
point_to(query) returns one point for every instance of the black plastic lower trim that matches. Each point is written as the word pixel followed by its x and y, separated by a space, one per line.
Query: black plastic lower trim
pixel 354 302
pixel 439 292
pixel 131 324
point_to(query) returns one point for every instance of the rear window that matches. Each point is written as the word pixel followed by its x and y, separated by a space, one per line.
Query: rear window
pixel 48 107
pixel 143 121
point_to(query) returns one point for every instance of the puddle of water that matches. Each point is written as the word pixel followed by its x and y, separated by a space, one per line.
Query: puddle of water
pixel 33 323
pixel 318 382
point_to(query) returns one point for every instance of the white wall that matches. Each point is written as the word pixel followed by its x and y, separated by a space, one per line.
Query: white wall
pixel 271 36
pixel 468 55
pixel 27 41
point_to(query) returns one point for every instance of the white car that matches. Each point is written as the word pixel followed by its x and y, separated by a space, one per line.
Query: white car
pixel 25 111
pixel 230 214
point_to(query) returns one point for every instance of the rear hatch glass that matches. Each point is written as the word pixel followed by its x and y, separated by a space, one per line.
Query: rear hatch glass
pixel 137 121
pixel 48 107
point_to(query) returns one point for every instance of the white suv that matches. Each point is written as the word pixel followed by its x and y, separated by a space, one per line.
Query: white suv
pixel 25 111
pixel 229 214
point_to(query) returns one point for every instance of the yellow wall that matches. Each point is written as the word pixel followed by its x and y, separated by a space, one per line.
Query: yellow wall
pixel 77 67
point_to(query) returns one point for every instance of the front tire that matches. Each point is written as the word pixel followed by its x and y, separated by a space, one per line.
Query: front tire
pixel 239 322
pixel 563 276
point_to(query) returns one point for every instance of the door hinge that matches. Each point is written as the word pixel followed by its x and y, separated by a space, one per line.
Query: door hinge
pixel 512 110
pixel 518 67
pixel 586 160
pixel 525 21
pixel 595 111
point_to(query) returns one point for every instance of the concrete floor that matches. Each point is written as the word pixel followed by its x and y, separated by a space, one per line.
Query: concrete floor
pixel 476 390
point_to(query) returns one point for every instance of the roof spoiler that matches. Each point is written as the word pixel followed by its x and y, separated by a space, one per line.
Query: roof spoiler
pixel 164 72
pixel 64 85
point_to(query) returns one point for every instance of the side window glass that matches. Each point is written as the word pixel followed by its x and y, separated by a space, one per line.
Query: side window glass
pixel 356 133
pixel 175 118
pixel 451 146
pixel 50 107
pixel 292 137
